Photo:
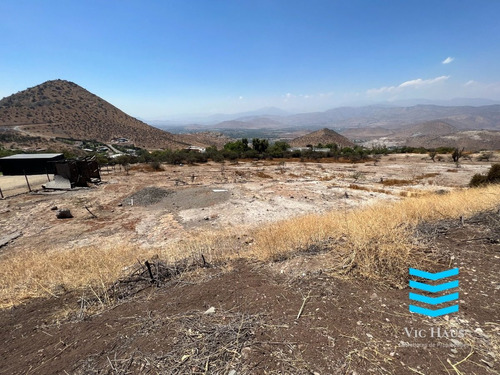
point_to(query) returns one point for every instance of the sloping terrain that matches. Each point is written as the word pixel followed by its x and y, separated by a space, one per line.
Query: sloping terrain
pixel 77 296
pixel 16 140
pixel 63 109
pixel 324 136
pixel 365 133
pixel 461 117
pixel 249 123
pixel 429 128
pixel 472 140
pixel 288 317
pixel 204 139
pixel 429 134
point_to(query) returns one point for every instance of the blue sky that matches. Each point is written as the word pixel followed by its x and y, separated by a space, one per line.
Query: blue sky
pixel 159 59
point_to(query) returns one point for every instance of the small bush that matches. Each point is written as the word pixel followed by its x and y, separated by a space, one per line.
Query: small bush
pixel 492 177
pixel 494 174
pixel 485 156
pixel 477 180
pixel 396 182
pixel 262 175
pixel 156 166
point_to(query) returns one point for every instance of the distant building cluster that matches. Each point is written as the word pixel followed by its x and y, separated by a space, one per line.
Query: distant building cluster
pixel 120 140
pixel 316 149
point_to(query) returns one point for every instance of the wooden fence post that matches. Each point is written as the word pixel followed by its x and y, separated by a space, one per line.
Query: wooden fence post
pixel 27 182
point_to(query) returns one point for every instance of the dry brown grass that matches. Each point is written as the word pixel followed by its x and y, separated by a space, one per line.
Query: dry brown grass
pixel 327 178
pixel 375 241
pixel 365 188
pixel 32 274
pixel 262 175
pixel 397 182
pixel 427 175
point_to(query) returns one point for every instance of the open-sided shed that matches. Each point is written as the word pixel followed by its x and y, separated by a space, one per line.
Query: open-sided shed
pixel 79 172
pixel 29 164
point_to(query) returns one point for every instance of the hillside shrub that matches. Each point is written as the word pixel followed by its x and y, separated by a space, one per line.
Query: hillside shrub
pixel 477 180
pixel 492 177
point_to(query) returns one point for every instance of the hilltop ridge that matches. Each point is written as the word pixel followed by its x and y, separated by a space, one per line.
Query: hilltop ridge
pixel 323 136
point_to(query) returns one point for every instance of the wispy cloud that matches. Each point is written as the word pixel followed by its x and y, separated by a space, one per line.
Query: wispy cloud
pixel 423 82
pixel 490 90
pixel 414 83
pixel 448 60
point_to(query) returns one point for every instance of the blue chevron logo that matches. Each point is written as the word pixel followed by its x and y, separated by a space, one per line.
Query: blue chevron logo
pixel 433 313
pixel 430 288
pixel 433 288
pixel 434 300
pixel 433 276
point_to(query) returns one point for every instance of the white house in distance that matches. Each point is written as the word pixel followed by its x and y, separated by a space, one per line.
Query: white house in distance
pixel 196 148
pixel 309 149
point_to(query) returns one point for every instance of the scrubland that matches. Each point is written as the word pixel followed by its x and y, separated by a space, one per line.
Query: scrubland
pixel 375 241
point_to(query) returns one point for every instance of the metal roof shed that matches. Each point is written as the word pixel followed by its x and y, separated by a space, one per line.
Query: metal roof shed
pixel 29 164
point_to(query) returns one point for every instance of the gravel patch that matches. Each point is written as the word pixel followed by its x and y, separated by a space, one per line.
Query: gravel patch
pixel 183 199
pixel 147 196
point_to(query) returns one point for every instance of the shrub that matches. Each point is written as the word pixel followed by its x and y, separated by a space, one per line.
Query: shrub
pixel 156 165
pixel 492 177
pixel 477 180
pixel 485 156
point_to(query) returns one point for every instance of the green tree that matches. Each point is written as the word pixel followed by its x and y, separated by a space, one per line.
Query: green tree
pixel 237 146
pixel 260 145
pixel 278 149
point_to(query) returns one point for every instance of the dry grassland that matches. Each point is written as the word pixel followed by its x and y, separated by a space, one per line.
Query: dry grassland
pixel 375 241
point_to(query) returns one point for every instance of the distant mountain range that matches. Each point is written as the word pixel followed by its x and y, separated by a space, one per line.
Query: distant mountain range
pixel 420 125
pixel 217 118
pixel 462 117
pixel 63 109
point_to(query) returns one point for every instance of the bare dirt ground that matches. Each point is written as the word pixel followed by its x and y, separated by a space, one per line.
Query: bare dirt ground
pixel 214 196
pixel 344 327
pixel 14 185
pixel 287 317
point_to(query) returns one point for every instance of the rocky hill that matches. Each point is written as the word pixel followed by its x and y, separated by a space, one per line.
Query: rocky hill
pixel 324 136
pixel 429 128
pixel 471 140
pixel 430 134
pixel 366 133
pixel 63 109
